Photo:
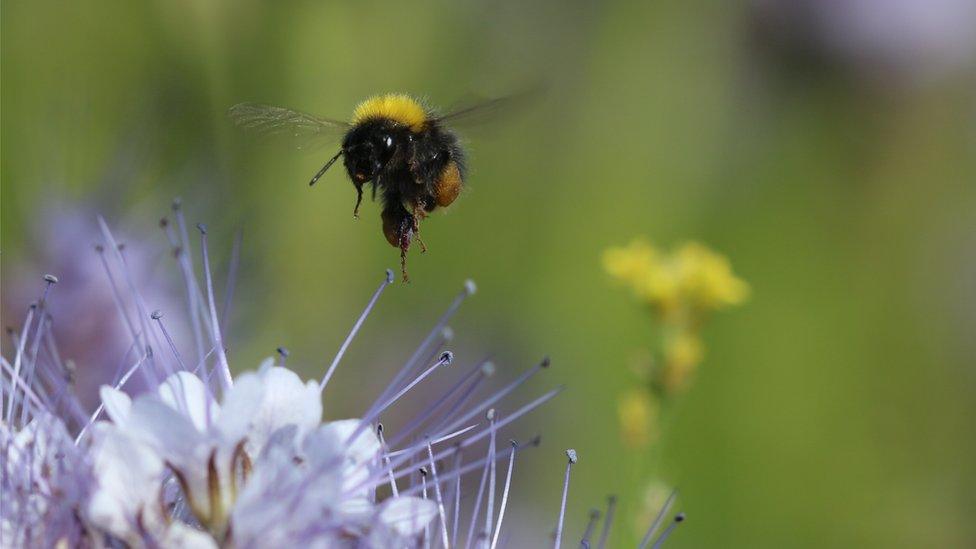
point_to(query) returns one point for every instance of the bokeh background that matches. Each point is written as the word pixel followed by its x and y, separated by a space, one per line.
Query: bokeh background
pixel 827 148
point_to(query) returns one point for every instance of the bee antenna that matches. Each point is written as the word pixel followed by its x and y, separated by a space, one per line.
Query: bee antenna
pixel 326 167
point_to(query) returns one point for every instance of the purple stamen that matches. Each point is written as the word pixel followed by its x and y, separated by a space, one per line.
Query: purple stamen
pixel 125 377
pixel 590 526
pixel 386 460
pixel 657 520
pixel 431 409
pixel 490 506
pixel 438 329
pixel 143 314
pixel 571 455
pixel 446 358
pixel 226 381
pixel 440 500
pixel 18 359
pixel 387 280
pixel 678 519
pixel 481 484
pixel 500 394
pixel 508 484
pixel 607 522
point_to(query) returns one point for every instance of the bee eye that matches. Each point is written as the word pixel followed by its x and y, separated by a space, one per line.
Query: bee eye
pixel 388 141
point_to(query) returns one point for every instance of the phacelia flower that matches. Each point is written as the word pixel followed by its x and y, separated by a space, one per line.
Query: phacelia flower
pixel 200 457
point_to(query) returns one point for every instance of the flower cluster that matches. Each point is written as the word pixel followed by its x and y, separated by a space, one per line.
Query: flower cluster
pixel 681 288
pixel 204 458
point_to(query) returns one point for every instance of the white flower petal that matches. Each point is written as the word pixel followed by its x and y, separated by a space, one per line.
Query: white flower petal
pixel 117 404
pixel 406 516
pixel 185 392
pixel 239 408
pixel 264 402
pixel 363 449
pixel 169 432
pixel 128 475
pixel 267 363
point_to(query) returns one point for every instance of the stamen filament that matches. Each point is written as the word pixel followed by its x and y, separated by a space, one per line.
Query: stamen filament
pixel 657 520
pixel 678 519
pixel 508 484
pixel 571 455
pixel 607 522
pixel 355 329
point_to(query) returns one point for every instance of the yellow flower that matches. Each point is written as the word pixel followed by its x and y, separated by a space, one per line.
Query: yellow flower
pixel 638 413
pixel 630 264
pixel 706 278
pixel 692 278
pixel 683 352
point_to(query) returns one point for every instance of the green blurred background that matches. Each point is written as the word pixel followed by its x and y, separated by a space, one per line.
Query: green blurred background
pixel 828 153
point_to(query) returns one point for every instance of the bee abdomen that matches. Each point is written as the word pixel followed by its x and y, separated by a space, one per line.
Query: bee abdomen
pixel 448 185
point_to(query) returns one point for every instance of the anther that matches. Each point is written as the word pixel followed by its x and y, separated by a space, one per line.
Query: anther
pixel 488 369
pixel 389 276
pixel 545 362
pixel 283 352
pixel 423 471
pixel 202 228
pixel 177 204
pixel 163 222
pixel 447 357
pixel 470 287
pixel 50 279
pixel 571 454
pixel 156 315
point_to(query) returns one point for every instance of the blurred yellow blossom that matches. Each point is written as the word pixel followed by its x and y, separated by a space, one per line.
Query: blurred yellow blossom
pixel 692 278
pixel 683 351
pixel 637 412
pixel 632 262
pixel 706 278
pixel 681 287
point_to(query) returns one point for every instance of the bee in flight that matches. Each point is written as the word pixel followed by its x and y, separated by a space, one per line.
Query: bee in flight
pixel 402 149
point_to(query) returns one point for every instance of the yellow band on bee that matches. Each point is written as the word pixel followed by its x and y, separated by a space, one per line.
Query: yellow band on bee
pixel 399 107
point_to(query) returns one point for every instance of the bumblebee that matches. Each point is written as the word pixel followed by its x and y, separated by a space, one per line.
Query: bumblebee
pixel 393 143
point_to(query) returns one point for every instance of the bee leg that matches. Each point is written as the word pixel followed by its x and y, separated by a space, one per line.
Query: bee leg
pixel 418 214
pixel 398 226
pixel 359 200
pixel 406 234
pixel 403 264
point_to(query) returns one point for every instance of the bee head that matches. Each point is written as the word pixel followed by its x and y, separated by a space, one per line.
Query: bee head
pixel 368 148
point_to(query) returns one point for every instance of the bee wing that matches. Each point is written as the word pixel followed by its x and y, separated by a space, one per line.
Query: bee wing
pixel 302 129
pixel 477 113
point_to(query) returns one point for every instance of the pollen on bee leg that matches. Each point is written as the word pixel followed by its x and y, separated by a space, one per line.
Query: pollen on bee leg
pixel 359 201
